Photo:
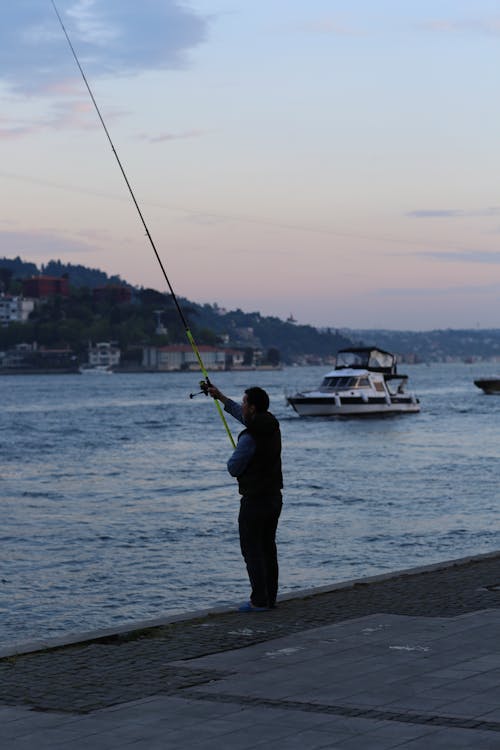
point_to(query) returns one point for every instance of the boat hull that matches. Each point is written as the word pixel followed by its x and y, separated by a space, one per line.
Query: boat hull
pixel 96 370
pixel 306 406
pixel 491 386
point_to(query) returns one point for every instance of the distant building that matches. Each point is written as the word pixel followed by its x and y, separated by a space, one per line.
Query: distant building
pixel 116 294
pixel 14 309
pixel 245 336
pixel 45 286
pixel 246 333
pixel 182 357
pixel 55 358
pixel 17 356
pixel 26 357
pixel 104 354
pixel 234 358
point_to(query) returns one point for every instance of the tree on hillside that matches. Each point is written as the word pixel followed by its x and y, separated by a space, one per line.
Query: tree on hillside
pixel 273 357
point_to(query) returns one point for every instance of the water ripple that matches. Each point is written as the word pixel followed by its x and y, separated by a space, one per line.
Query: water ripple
pixel 117 505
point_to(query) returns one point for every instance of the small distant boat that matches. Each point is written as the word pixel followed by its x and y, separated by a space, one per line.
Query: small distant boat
pixel 96 370
pixel 491 386
pixel 365 382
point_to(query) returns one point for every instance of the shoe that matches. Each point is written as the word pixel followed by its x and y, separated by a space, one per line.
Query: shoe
pixel 249 607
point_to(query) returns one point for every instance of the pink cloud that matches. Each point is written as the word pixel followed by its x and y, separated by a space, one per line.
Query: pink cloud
pixel 172 136
pixel 75 114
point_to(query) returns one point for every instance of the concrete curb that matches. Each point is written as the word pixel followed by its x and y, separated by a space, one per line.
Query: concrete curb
pixel 130 629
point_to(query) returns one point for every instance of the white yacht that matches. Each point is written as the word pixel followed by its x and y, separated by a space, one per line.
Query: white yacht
pixel 365 382
pixel 95 370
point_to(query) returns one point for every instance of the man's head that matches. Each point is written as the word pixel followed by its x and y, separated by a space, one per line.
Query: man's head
pixel 255 401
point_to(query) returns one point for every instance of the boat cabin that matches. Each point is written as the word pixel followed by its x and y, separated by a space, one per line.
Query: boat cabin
pixel 343 383
pixel 367 358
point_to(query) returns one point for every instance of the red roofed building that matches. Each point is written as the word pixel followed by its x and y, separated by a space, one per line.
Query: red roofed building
pixel 45 286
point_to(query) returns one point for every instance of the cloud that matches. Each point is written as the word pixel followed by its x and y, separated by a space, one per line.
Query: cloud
pixel 425 213
pixel 466 289
pixel 463 256
pixel 484 26
pixel 65 186
pixel 324 25
pixel 453 213
pixel 111 37
pixel 162 137
pixel 40 243
pixel 63 114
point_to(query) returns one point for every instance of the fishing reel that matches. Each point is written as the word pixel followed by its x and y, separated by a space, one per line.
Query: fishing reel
pixel 204 385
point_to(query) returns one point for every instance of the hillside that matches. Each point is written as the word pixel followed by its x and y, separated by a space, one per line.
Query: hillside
pixel 80 318
pixel 77 320
pixel 434 346
pixel 79 276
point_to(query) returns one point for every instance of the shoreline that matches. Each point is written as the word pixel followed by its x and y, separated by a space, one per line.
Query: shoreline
pixel 132 371
pixel 147 628
pixel 405 653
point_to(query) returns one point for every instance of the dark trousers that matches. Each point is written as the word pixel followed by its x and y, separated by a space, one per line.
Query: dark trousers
pixel 257 522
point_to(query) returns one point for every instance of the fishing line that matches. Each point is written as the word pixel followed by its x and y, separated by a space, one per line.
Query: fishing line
pixel 148 235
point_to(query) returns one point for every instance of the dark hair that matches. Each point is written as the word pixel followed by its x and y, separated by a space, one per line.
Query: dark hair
pixel 257 397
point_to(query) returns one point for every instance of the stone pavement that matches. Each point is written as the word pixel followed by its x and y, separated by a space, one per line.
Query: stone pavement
pixel 410 660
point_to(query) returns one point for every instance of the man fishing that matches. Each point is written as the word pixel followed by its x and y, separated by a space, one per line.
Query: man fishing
pixel 256 463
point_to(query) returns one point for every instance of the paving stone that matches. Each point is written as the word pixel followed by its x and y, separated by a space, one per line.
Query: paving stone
pixel 409 659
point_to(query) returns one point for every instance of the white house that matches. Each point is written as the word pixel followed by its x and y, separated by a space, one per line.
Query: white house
pixel 104 354
pixel 15 309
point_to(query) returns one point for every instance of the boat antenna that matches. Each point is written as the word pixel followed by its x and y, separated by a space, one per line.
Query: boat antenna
pixel 204 384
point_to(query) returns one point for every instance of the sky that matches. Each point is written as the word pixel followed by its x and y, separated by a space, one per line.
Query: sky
pixel 337 161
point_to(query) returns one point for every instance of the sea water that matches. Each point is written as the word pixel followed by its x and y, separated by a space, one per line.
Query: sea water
pixel 116 505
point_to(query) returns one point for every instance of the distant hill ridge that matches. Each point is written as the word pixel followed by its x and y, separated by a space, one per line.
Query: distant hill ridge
pixel 79 276
pixel 248 330
pixel 291 338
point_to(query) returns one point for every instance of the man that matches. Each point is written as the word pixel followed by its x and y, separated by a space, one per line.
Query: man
pixel 256 463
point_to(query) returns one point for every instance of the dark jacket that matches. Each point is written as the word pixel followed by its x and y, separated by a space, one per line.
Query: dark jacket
pixel 263 478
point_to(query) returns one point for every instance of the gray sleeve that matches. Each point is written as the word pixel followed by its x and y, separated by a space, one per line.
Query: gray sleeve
pixel 234 410
pixel 242 455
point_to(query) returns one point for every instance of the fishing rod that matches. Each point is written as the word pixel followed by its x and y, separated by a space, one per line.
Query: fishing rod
pixel 204 384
